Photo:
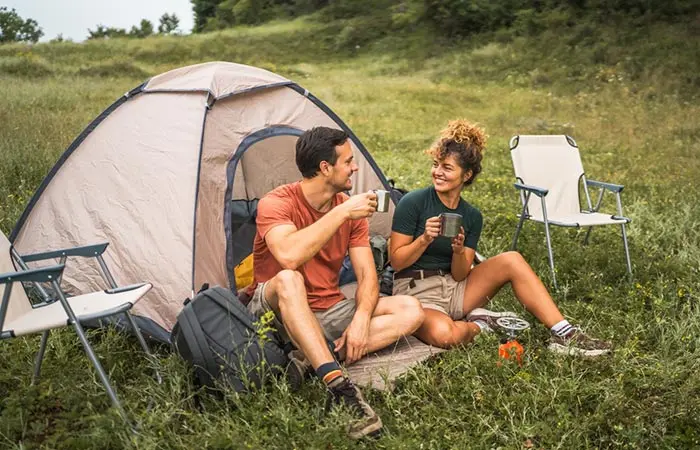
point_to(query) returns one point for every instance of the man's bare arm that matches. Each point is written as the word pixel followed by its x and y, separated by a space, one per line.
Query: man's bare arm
pixel 292 247
pixel 367 284
pixel 356 336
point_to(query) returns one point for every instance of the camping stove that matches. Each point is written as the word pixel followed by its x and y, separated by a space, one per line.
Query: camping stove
pixel 510 348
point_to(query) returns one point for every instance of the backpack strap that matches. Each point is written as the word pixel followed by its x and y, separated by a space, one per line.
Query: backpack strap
pixel 201 353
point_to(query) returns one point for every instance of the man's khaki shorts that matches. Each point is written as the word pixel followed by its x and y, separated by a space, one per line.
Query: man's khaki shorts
pixel 333 321
pixel 439 292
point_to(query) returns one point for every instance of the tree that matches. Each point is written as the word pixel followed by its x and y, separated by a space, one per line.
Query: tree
pixel 102 32
pixel 145 29
pixel 168 24
pixel 15 29
pixel 203 11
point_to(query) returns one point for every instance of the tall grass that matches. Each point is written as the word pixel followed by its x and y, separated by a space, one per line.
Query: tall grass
pixel 637 127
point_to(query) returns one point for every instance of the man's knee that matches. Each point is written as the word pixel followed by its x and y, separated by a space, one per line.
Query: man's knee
pixel 288 280
pixel 287 287
pixel 410 312
pixel 288 276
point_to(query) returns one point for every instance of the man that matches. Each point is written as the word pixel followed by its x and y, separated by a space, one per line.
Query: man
pixel 304 231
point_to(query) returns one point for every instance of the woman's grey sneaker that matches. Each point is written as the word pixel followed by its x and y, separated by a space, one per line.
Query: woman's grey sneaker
pixel 488 318
pixel 576 342
pixel 297 370
pixel 341 391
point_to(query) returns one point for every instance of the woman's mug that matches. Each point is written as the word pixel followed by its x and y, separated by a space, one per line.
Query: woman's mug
pixel 450 224
pixel 382 200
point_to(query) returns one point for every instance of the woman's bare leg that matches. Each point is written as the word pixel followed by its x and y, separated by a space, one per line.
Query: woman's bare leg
pixel 440 330
pixel 487 278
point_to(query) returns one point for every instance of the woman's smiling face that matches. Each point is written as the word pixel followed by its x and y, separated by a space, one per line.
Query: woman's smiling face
pixel 448 175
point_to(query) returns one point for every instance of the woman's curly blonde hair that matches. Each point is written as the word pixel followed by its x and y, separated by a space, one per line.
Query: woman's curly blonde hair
pixel 466 141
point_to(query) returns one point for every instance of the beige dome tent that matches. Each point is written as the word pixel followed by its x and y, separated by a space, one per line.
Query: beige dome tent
pixel 170 174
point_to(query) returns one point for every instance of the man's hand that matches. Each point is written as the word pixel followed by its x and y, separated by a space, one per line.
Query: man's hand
pixel 458 242
pixel 432 230
pixel 354 339
pixel 360 206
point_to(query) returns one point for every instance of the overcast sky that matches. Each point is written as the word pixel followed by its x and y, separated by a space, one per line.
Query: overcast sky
pixel 72 18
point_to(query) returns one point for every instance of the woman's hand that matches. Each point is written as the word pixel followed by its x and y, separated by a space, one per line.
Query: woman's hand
pixel 432 230
pixel 458 242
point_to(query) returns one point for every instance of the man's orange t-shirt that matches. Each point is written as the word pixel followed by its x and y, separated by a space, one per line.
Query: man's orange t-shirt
pixel 287 205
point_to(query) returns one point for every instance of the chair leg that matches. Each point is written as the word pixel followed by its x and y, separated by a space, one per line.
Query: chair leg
pixel 551 255
pixel 627 249
pixel 40 357
pixel 144 344
pixel 100 371
pixel 517 232
pixel 588 235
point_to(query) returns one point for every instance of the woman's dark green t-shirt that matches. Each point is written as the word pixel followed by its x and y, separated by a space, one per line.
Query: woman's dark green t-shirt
pixel 418 206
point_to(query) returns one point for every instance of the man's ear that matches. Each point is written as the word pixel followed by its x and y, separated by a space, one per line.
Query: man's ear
pixel 324 168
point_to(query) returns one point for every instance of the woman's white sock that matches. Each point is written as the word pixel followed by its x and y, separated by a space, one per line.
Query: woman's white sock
pixel 485 328
pixel 562 328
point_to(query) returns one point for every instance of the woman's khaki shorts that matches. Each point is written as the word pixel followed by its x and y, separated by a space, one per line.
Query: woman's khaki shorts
pixel 440 292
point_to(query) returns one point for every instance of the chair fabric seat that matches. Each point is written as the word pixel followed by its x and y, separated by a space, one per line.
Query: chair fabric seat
pixel 54 315
pixel 582 219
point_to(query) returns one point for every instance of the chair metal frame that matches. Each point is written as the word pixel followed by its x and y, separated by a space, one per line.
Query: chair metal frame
pixel 53 275
pixel 525 191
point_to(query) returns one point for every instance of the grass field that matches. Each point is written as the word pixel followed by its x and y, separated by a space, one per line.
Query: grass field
pixel 637 123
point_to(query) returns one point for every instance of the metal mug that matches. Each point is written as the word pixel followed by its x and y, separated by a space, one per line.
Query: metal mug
pixel 382 200
pixel 450 224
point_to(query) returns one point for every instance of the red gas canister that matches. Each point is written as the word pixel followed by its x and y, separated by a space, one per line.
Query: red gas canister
pixel 511 350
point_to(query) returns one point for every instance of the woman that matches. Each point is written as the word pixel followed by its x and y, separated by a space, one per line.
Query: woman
pixel 438 270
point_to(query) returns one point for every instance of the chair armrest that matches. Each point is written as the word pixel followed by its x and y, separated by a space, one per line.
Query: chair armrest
pixel 86 251
pixel 41 275
pixel 609 186
pixel 119 290
pixel 538 191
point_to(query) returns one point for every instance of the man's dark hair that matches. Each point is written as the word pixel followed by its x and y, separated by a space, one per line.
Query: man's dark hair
pixel 316 145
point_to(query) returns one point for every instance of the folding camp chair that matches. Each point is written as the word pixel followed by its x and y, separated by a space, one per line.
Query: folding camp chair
pixel 18 316
pixel 550 167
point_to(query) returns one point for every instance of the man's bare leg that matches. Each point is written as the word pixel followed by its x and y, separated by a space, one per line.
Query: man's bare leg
pixel 393 318
pixel 286 295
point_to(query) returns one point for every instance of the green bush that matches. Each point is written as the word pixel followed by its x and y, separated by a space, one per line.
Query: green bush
pixel 661 9
pixel 465 17
pixel 301 7
pixel 229 13
pixel 346 9
pixel 468 17
pixel 453 18
pixel 357 33
pixel 29 66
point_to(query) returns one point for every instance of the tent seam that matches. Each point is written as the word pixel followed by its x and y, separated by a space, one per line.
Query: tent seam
pixel 207 108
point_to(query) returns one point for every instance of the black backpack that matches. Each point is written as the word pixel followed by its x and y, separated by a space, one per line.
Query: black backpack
pixel 220 338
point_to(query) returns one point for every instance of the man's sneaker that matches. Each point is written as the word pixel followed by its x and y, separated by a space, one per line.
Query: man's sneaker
pixel 488 317
pixel 576 342
pixel 367 422
pixel 297 369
